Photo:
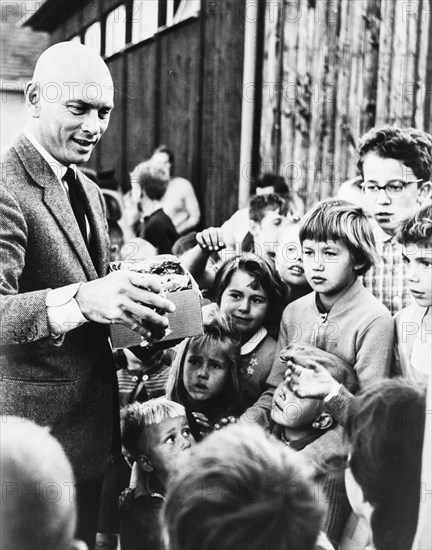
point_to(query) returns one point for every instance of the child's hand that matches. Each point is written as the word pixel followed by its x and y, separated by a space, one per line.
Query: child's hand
pixel 203 422
pixel 211 239
pixel 225 422
pixel 312 380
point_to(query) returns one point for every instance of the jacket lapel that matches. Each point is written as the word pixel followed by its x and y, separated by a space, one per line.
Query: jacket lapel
pixel 56 201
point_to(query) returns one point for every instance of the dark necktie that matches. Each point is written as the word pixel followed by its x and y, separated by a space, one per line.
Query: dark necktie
pixel 77 201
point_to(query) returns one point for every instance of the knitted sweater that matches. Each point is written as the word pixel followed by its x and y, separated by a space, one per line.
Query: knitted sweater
pixel 358 329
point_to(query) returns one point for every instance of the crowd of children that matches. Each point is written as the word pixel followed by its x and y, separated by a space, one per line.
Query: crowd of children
pixel 299 339
pixel 297 419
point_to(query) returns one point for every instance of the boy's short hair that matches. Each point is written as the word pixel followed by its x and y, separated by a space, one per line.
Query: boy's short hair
pixel 385 427
pixel 417 229
pixel 337 220
pixel 260 204
pixel 411 146
pixel 153 180
pixel 135 418
pixel 271 180
pixel 242 489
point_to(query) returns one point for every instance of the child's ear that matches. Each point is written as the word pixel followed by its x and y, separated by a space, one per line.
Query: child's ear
pixel 254 227
pixel 144 463
pixel 424 192
pixel 323 422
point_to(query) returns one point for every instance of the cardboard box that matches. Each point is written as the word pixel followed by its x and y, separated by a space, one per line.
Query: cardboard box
pixel 186 321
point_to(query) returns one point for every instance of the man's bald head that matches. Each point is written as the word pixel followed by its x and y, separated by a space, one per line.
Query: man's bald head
pixel 71 62
pixel 38 510
pixel 70 99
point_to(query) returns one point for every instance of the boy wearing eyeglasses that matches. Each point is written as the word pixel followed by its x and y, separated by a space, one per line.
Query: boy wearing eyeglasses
pixel 396 167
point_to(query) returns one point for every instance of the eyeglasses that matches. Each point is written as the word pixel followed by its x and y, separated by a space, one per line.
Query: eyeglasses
pixel 393 189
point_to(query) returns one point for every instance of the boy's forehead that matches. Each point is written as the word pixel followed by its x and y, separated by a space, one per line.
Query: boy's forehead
pixel 414 250
pixel 387 168
pixel 166 425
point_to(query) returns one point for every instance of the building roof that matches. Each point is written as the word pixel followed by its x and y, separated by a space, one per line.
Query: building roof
pixel 52 13
pixel 20 48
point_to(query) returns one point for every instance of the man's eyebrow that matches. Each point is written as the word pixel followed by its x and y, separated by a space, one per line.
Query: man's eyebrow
pixel 404 256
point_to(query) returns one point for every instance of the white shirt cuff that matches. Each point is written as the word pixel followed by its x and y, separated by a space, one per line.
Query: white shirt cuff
pixel 63 311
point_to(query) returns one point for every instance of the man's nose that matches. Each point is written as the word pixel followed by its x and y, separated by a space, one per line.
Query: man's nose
pixel 91 122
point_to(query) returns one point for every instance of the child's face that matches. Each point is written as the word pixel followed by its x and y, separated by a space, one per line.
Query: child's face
pixel 390 212
pixel 246 307
pixel 167 443
pixel 418 260
pixel 267 232
pixel 291 411
pixel 289 262
pixel 329 267
pixel 205 373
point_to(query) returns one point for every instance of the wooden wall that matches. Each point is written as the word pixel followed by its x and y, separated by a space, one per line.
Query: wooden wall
pixel 332 70
pixel 182 88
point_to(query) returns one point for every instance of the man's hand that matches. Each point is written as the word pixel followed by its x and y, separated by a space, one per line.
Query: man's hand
pixel 211 239
pixel 127 298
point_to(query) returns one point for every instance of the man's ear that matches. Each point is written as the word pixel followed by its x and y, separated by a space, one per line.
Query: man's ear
pixel 323 422
pixel 32 96
pixel 425 192
pixel 144 463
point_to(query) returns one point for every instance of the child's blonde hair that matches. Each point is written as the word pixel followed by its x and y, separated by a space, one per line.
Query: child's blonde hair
pixel 135 418
pixel 337 220
pixel 219 332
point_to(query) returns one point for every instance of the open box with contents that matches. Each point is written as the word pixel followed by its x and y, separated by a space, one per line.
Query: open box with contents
pixel 179 287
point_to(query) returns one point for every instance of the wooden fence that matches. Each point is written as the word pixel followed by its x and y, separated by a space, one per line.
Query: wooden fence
pixel 333 69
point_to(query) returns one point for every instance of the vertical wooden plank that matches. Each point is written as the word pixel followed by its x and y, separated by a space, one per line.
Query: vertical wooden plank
pixel 111 148
pixel 178 114
pixel 222 50
pixel 140 103
pixel 423 69
pixel 385 65
pixel 290 89
pixel 270 85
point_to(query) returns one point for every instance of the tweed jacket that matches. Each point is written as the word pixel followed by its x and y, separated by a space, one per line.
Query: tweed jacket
pixel 67 384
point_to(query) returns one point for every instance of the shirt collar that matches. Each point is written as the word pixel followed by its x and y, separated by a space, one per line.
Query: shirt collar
pixel 254 341
pixel 58 168
pixel 381 236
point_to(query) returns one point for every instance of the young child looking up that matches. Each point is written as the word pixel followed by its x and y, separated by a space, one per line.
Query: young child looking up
pixel 156 435
pixel 205 377
pixel 385 427
pixel 289 263
pixel 298 422
pixel 242 490
pixel 340 317
pixel 251 295
pixel 414 323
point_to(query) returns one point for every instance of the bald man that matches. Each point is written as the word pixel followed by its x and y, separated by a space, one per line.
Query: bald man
pixel 56 301
pixel 38 510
